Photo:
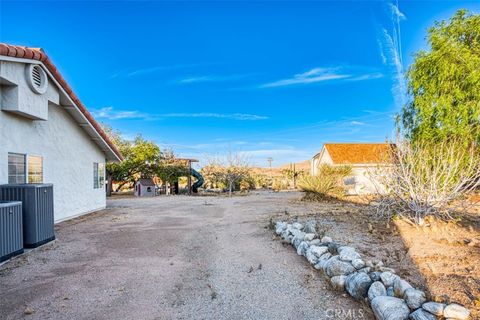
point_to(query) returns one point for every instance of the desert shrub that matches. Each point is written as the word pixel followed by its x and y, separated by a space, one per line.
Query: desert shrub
pixel 327 184
pixel 429 179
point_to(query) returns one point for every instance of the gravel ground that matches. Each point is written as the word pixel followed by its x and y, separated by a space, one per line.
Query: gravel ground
pixel 172 257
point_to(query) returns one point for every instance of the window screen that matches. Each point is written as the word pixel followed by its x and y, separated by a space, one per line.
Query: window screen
pixel 95 175
pixel 16 168
pixel 35 169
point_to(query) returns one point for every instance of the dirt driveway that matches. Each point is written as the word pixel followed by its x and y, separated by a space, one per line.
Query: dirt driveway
pixel 172 258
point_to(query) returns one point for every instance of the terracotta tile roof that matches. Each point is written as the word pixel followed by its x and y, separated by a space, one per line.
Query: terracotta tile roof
pixel 358 153
pixel 39 55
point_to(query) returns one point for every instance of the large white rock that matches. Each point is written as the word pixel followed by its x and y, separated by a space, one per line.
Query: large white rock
pixel 280 226
pixel 338 282
pixel 456 311
pixel 414 298
pixel 311 257
pixel 297 225
pixel 421 314
pixel 435 308
pixel 319 250
pixel 376 289
pixel 400 286
pixel 322 260
pixel 358 263
pixel 390 308
pixel 388 278
pixel 357 285
pixel 302 248
pixel 336 267
pixel 347 255
pixel 326 239
pixel 309 236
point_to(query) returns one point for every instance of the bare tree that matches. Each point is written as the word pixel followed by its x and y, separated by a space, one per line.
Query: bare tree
pixel 231 169
pixel 428 179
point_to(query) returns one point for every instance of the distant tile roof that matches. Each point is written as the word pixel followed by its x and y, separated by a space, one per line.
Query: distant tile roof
pixel 358 153
pixel 39 55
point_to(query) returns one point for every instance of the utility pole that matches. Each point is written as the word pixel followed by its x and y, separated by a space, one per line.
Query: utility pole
pixel 270 160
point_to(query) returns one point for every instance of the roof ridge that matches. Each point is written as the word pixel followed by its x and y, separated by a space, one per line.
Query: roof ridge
pixel 39 54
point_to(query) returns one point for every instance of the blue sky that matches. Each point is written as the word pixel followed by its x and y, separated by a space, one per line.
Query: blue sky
pixel 269 79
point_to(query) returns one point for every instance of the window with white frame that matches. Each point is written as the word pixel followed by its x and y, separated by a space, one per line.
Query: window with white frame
pixel 24 168
pixel 98 175
pixel 35 169
pixel 16 168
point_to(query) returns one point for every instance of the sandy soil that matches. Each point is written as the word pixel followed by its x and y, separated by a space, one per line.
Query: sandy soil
pixel 441 258
pixel 174 257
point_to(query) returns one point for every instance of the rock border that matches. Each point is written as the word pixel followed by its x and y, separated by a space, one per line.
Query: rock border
pixel 390 296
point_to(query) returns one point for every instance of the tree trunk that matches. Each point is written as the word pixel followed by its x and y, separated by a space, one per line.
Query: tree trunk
pixel 230 187
pixel 109 185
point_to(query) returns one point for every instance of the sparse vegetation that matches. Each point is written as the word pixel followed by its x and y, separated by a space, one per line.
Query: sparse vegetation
pixel 429 179
pixel 327 184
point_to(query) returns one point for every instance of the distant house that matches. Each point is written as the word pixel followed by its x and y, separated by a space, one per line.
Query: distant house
pixel 48 136
pixel 144 188
pixel 362 157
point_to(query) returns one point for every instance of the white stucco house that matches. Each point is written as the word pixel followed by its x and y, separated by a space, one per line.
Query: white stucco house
pixel 363 158
pixel 48 136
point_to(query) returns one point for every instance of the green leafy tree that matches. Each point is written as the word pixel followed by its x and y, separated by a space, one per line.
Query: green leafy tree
pixel 140 159
pixel 170 169
pixel 444 83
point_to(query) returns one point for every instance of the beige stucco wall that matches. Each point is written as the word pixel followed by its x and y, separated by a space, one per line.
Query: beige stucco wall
pixel 68 154
pixel 361 181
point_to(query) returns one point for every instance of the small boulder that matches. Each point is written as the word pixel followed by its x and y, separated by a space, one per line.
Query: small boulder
pixel 309 236
pixel 319 251
pixel 345 248
pixel 376 289
pixel 456 311
pixel 322 260
pixel 311 257
pixel 357 285
pixel 336 267
pixel 298 237
pixel 435 308
pixel 358 263
pixel 338 282
pixel 421 314
pixel 297 225
pixel 326 239
pixel 280 226
pixel 332 247
pixel 390 308
pixel 302 248
pixel 400 286
pixel 375 275
pixel 414 298
pixel 347 255
pixel 365 270
pixel 388 278
pixel 315 242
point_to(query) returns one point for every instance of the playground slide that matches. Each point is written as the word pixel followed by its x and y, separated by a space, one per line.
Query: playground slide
pixel 199 181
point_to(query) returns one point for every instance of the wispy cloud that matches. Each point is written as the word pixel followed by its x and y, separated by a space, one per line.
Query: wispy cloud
pixel 143 71
pixel 232 116
pixel 110 113
pixel 389 41
pixel 316 75
pixel 212 78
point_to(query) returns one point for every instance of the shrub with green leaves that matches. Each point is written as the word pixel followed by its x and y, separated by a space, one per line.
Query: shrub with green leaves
pixel 327 184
